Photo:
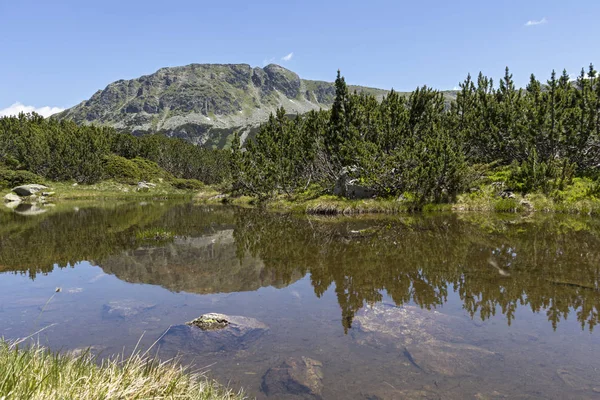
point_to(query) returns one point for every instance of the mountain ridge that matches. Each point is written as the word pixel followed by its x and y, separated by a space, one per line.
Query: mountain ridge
pixel 205 103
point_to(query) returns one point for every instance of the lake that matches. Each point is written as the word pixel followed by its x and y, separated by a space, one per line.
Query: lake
pixel 449 306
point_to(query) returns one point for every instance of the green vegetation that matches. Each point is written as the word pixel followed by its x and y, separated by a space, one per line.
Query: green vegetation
pixel 12 178
pixel 36 373
pixel 155 235
pixel 63 151
pixel 490 148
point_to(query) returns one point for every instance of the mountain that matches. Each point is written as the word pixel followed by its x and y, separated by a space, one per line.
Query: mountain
pixel 204 103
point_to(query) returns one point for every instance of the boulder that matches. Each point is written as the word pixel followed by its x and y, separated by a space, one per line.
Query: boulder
pixel 431 341
pixel 142 187
pixel 301 376
pixel 28 190
pixel 214 332
pixel 11 197
pixel 350 188
pixel 27 209
pixel 507 194
pixel 124 309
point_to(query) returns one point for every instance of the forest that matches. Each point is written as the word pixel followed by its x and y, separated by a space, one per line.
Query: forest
pixel 419 147
pixel 423 148
pixel 33 147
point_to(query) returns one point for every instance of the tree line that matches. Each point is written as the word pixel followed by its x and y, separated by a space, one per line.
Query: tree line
pixel 65 151
pixel 423 147
pixel 420 146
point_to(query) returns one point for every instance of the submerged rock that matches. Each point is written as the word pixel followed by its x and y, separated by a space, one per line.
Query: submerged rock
pixel 125 308
pixel 11 197
pixel 214 332
pixel 432 341
pixel 297 375
pixel 28 190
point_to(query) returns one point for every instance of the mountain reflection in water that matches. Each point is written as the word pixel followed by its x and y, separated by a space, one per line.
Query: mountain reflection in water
pixel 494 263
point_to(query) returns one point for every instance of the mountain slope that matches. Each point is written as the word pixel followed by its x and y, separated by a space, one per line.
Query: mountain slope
pixel 204 103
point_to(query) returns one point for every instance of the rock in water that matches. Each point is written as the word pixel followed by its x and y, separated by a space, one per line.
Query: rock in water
pixel 432 341
pixel 28 190
pixel 27 209
pixel 125 308
pixel 11 197
pixel 214 332
pixel 210 322
pixel 297 375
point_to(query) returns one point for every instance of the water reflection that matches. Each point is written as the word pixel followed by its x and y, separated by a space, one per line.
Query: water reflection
pixel 548 264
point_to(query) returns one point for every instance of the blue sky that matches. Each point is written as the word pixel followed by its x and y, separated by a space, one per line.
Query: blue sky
pixel 58 53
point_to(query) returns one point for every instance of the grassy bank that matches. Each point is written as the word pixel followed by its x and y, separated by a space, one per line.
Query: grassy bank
pixel 36 373
pixel 112 190
pixel 577 198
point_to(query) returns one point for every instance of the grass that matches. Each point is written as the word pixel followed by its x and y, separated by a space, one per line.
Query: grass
pixel 111 190
pixel 576 198
pixel 34 372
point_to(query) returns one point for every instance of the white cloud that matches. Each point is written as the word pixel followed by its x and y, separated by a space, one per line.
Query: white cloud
pixel 534 22
pixel 17 107
pixel 288 57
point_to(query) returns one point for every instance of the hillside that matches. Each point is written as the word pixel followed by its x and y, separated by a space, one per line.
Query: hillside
pixel 204 103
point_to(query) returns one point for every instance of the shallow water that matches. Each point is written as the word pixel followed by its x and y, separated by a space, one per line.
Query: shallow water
pixel 444 306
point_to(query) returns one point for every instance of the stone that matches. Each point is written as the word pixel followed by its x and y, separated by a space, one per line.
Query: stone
pixel 210 321
pixel 12 204
pixel 527 205
pixel 28 209
pixel 350 188
pixel 431 341
pixel 142 187
pixel 11 197
pixel 301 376
pixel 48 194
pixel 214 332
pixel 125 309
pixel 28 190
pixel 507 194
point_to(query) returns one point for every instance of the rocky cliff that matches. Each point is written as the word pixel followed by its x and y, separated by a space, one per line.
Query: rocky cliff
pixel 204 103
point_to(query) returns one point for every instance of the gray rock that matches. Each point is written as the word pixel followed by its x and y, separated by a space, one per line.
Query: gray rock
pixel 507 194
pixel 11 197
pixel 301 376
pixel 28 209
pixel 142 187
pixel 433 342
pixel 349 188
pixel 221 333
pixel 210 322
pixel 12 204
pixel 124 309
pixel 28 190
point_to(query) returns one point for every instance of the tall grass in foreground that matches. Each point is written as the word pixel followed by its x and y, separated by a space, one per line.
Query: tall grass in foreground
pixel 34 372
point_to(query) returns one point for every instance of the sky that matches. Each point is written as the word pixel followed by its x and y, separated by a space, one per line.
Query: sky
pixel 55 54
